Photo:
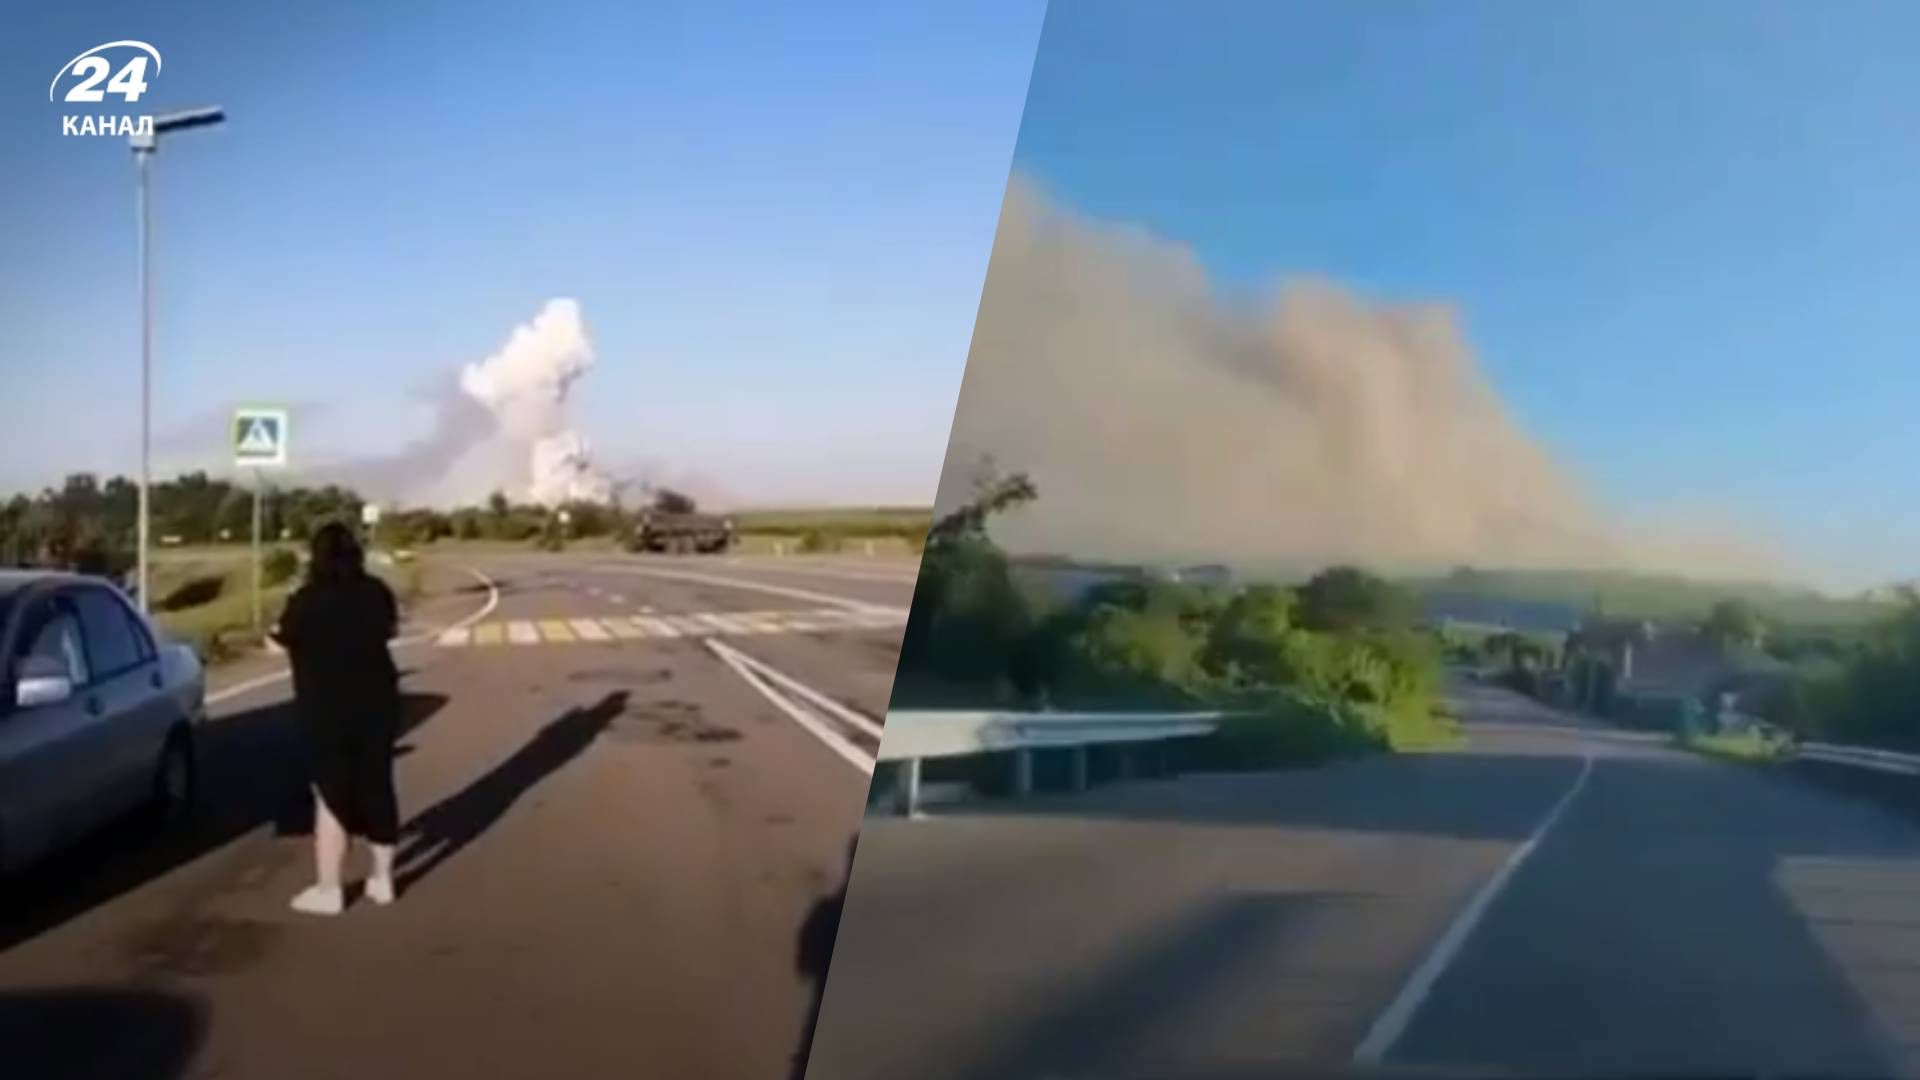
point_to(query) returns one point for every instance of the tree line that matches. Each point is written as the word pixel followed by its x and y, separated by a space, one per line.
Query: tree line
pixel 89 524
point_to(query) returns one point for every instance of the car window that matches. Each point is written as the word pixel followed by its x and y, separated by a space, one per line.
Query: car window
pixel 112 646
pixel 58 641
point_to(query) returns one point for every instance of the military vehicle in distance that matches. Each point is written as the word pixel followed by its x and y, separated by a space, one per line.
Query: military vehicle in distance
pixel 680 533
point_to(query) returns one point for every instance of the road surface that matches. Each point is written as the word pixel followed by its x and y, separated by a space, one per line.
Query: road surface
pixel 1553 899
pixel 613 840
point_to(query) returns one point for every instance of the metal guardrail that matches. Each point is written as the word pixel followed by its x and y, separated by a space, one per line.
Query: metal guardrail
pixel 912 736
pixel 1860 757
pixel 930 733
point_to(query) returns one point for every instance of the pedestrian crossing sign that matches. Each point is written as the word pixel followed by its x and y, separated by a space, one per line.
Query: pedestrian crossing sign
pixel 259 437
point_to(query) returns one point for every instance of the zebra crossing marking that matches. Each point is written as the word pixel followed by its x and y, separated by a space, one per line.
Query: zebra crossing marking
pixel 703 624
pixel 589 630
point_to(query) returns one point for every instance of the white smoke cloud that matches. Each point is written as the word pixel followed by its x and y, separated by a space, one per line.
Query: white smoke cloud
pixel 525 386
pixel 563 469
pixel 500 425
pixel 1160 421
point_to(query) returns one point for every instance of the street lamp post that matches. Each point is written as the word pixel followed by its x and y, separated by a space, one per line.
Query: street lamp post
pixel 144 144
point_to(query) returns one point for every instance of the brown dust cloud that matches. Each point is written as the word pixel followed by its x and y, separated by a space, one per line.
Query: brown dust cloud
pixel 1163 422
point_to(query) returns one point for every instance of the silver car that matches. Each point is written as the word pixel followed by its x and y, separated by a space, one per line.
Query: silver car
pixel 97 714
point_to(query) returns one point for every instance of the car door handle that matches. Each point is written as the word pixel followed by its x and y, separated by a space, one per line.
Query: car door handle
pixel 93 706
pixel 155 680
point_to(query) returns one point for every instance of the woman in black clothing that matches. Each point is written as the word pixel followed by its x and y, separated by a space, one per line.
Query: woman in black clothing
pixel 347 700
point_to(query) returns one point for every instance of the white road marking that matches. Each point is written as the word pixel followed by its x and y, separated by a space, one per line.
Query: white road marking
pixel 250 684
pixel 486 609
pixel 754 674
pixel 795 566
pixel 724 623
pixel 589 630
pixel 835 618
pixel 689 626
pixel 813 697
pixel 1393 1023
pixel 745 584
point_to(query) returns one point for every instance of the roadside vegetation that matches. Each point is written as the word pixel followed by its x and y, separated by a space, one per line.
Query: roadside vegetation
pixel 1745 747
pixel 1331 666
pixel 826 531
pixel 87 524
pixel 1863 689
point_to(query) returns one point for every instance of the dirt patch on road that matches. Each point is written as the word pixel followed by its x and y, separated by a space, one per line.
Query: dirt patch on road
pixel 624 676
pixel 201 946
pixel 669 721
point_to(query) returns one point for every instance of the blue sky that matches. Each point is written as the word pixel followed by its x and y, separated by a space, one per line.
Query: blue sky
pixel 1684 239
pixel 776 222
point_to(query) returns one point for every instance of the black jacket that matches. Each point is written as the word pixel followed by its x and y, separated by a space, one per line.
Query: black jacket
pixel 345 683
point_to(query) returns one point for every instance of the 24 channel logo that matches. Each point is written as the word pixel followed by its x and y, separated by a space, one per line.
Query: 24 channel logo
pixel 92 77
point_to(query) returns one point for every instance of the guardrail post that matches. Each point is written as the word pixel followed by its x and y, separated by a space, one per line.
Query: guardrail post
pixel 906 788
pixel 1022 773
pixel 1079 768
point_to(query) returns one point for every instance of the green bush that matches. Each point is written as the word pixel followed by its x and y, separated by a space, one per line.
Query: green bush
pixel 1292 730
pixel 1151 646
pixel 280 564
pixel 818 541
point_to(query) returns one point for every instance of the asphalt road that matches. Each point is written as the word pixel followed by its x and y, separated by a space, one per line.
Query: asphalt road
pixel 1553 899
pixel 611 847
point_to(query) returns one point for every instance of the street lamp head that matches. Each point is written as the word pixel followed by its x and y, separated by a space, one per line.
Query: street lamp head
pixel 188 118
pixel 145 142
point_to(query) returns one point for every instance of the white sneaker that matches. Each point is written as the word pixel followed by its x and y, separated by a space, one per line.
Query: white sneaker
pixel 320 900
pixel 380 890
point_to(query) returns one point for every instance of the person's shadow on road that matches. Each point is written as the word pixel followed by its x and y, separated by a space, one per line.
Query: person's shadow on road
pixel 815 953
pixel 443 829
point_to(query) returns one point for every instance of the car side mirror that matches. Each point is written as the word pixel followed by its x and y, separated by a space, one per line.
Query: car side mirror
pixel 41 681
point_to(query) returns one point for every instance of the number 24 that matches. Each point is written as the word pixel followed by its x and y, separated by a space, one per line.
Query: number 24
pixel 130 82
